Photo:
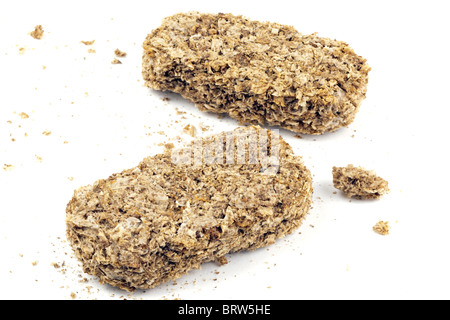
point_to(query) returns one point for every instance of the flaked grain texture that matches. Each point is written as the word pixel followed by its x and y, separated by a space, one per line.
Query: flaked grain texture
pixel 257 72
pixel 359 183
pixel 167 216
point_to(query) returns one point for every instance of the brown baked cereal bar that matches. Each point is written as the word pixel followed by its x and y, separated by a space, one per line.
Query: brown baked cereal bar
pixel 257 72
pixel 176 210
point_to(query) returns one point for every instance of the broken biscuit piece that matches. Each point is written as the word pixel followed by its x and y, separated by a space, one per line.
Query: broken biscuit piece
pixel 256 72
pixel 229 192
pixel 359 183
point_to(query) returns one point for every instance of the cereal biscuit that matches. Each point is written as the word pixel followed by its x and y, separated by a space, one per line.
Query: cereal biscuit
pixel 256 72
pixel 176 210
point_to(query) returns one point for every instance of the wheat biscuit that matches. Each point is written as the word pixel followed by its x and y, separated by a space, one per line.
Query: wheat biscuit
pixel 176 210
pixel 256 72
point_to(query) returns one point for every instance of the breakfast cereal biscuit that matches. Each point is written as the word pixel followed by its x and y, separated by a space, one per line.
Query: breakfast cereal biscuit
pixel 256 72
pixel 234 191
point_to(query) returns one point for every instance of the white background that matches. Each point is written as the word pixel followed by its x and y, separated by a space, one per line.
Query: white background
pixel 110 122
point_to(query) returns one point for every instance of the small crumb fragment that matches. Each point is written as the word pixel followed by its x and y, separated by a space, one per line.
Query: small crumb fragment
pixel 222 260
pixel 46 133
pixel 88 43
pixel 70 178
pixel 169 146
pixel 73 295
pixel 84 280
pixel 190 130
pixel 38 32
pixel 38 158
pixel 119 53
pixel 91 51
pixel 8 167
pixel 204 127
pixel 381 227
pixel 21 50
pixel 55 265
pixel 359 183
pixel 34 263
pixel 116 61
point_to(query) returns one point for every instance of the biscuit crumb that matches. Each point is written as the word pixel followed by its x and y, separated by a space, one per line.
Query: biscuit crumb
pixel 73 295
pixel 169 146
pixel 204 127
pixel 23 115
pixel 46 133
pixel 190 130
pixel 119 53
pixel 91 51
pixel 8 167
pixel 381 227
pixel 38 32
pixel 88 43
pixel 222 260
pixel 116 61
